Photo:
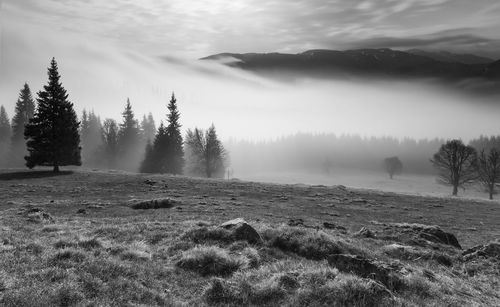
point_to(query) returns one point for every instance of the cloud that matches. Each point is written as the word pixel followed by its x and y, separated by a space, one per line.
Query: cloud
pixel 202 27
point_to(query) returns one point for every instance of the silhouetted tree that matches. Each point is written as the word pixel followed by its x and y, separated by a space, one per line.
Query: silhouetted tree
pixel 456 164
pixel 393 166
pixel 205 154
pixel 25 108
pixel 129 140
pixel 52 133
pixel 174 163
pixel 5 131
pixel 110 142
pixel 489 169
pixel 155 153
pixel 148 128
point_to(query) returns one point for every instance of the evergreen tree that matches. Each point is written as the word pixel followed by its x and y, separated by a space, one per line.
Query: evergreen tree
pixel 25 108
pixel 174 163
pixel 148 128
pixel 129 140
pixel 91 135
pixel 52 133
pixel 5 131
pixel 110 142
pixel 205 153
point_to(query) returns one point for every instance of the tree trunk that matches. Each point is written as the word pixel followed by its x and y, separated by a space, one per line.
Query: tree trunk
pixel 491 194
pixel 56 168
pixel 390 175
pixel 455 190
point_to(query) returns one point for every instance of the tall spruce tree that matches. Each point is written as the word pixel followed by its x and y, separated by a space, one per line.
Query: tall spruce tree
pixel 148 128
pixel 174 163
pixel 91 136
pixel 129 141
pixel 154 159
pixel 5 131
pixel 52 133
pixel 25 108
pixel 110 142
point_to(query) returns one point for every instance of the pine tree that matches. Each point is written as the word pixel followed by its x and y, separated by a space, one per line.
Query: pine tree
pixel 91 136
pixel 25 108
pixel 129 140
pixel 52 133
pixel 110 142
pixel 174 163
pixel 148 128
pixel 5 131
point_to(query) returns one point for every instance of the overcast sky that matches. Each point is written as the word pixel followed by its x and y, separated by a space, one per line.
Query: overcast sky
pixel 201 27
pixel 109 50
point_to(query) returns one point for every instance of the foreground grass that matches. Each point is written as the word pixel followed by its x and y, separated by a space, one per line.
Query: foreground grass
pixel 52 254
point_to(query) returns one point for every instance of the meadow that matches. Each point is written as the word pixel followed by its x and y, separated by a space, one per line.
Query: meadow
pixel 105 238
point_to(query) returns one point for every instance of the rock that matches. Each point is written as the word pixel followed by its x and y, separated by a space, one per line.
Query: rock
pixel 366 268
pixel 491 250
pixel 81 211
pixel 430 233
pixel 149 182
pixel 365 233
pixel 241 230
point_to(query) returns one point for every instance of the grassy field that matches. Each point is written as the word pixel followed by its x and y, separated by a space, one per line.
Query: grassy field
pixel 96 238
pixel 412 184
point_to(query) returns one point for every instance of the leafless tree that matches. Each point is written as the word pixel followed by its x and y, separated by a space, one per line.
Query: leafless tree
pixel 456 164
pixel 489 169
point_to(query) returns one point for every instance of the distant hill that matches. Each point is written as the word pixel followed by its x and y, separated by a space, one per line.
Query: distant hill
pixel 445 56
pixel 366 62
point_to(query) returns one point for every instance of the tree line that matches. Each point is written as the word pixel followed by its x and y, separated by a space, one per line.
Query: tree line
pixel 47 132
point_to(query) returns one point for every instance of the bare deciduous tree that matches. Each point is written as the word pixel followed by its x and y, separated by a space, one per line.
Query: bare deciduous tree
pixel 456 164
pixel 489 169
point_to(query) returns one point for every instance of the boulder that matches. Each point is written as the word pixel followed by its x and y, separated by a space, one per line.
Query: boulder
pixel 241 230
pixel 490 250
pixel 366 268
pixel 430 233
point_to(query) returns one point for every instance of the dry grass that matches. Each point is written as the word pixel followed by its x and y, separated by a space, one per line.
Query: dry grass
pixel 117 256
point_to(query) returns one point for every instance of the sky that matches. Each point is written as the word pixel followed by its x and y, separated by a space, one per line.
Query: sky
pixel 146 49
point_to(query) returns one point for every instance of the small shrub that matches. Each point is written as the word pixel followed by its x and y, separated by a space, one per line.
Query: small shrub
pixel 210 260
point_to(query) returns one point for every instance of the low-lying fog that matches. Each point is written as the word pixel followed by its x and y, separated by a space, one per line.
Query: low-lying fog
pixel 241 105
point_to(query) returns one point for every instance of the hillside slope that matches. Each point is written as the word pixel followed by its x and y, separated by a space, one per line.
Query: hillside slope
pixel 84 238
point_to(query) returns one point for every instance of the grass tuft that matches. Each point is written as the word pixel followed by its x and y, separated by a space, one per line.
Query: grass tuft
pixel 210 261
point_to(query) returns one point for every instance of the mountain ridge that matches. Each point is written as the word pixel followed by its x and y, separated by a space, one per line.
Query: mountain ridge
pixel 383 61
